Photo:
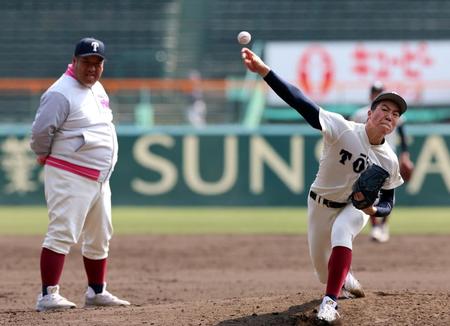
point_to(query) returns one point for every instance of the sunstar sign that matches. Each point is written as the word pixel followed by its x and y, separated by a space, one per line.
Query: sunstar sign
pixel 272 167
pixel 253 169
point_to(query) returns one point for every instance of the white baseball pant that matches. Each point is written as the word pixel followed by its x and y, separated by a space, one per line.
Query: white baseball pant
pixel 329 228
pixel 77 208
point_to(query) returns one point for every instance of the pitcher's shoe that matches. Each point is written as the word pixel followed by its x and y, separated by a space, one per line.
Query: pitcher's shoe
pixel 352 288
pixel 103 299
pixel 380 233
pixel 328 310
pixel 53 300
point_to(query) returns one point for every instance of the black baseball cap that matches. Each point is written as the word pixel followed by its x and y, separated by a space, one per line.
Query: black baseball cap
pixel 89 46
pixel 391 96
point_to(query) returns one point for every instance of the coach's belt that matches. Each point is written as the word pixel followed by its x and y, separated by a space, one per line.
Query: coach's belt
pixel 326 202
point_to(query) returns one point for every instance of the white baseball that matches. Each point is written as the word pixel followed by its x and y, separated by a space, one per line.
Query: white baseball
pixel 244 37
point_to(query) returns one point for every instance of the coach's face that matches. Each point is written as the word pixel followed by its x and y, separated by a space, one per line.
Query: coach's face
pixel 385 116
pixel 88 70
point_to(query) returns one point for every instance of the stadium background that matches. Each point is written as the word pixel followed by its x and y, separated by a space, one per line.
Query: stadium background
pixel 154 50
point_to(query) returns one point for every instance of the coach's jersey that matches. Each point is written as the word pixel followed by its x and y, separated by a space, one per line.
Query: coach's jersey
pixel 74 124
pixel 346 153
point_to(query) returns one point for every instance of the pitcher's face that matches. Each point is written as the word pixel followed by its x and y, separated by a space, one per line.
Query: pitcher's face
pixel 385 116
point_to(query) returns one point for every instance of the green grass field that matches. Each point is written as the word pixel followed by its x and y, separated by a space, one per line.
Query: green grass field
pixel 29 220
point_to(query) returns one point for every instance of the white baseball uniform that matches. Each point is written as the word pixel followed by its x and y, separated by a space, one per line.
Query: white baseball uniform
pixel 73 125
pixel 346 153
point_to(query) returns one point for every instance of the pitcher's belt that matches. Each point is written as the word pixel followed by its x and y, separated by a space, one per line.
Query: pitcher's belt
pixel 326 202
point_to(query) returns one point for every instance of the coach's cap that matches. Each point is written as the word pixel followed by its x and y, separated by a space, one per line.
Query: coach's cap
pixel 377 87
pixel 89 46
pixel 391 96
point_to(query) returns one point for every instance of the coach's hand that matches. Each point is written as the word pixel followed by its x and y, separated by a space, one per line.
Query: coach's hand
pixel 40 159
pixel 254 63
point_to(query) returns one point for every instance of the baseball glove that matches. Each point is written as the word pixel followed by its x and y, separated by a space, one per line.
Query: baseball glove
pixel 369 184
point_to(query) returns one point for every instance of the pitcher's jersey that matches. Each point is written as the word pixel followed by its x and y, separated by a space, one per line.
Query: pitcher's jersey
pixel 346 153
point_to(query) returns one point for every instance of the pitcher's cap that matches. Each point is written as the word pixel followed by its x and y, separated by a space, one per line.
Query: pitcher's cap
pixel 89 46
pixel 391 96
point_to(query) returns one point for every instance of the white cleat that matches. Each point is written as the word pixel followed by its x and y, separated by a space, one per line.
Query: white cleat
pixel 380 233
pixel 352 288
pixel 104 299
pixel 53 300
pixel 328 310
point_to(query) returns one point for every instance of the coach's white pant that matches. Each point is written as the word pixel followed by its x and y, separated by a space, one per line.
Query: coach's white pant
pixel 77 207
pixel 329 228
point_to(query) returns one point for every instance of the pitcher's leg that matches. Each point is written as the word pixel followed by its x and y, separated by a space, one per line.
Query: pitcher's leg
pixel 338 267
pixel 320 221
pixel 347 226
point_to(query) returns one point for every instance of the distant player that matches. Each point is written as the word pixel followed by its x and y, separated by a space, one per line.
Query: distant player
pixel 380 228
pixel 74 138
pixel 349 149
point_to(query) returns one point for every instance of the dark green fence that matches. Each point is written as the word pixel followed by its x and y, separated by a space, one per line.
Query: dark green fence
pixel 271 166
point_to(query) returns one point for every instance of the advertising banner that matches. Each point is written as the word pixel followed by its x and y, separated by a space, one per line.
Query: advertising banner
pixel 342 72
pixel 271 167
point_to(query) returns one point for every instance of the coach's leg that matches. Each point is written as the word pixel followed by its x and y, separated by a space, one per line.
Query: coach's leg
pixel 51 265
pixel 96 235
pixel 66 216
pixel 98 229
pixel 66 211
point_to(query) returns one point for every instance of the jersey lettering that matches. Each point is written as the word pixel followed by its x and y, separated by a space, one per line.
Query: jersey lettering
pixel 360 163
pixel 345 156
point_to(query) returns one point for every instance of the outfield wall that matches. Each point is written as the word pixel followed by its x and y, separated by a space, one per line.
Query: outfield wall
pixel 221 166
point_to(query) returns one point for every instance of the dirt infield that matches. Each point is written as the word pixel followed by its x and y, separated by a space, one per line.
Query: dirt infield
pixel 233 280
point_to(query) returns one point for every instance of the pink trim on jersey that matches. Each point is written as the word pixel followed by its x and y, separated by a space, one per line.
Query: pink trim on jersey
pixel 74 168
pixel 70 71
